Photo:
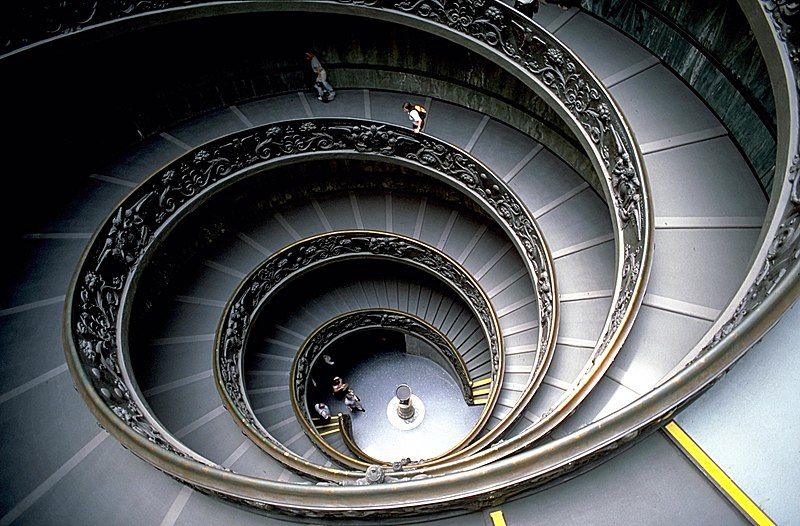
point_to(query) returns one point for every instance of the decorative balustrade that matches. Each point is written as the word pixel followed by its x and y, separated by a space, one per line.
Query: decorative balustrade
pixel 277 271
pixel 359 320
pixel 96 316
pixel 110 269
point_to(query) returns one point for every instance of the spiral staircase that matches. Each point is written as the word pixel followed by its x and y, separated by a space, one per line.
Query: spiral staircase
pixel 575 284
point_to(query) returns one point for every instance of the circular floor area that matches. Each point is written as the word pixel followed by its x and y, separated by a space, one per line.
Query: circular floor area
pixel 447 416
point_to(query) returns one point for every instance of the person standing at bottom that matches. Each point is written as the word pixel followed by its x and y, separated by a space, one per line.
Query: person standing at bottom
pixel 339 387
pixel 323 411
pixel 417 114
pixel 325 91
pixel 353 402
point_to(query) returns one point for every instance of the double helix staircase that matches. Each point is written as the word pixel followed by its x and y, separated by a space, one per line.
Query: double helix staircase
pixel 708 211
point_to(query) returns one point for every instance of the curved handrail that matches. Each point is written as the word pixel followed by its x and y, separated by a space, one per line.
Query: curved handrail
pixel 343 324
pixel 280 269
pixel 345 427
pixel 130 235
pixel 538 59
pixel 346 430
pixel 347 323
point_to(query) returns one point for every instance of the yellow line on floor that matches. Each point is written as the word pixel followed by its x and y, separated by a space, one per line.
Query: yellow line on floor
pixel 497 518
pixel 720 479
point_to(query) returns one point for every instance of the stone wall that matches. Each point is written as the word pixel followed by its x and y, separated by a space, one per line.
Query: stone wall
pixel 709 44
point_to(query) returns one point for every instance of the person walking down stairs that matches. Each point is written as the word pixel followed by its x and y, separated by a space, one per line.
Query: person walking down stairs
pixel 417 114
pixel 325 92
pixel 323 411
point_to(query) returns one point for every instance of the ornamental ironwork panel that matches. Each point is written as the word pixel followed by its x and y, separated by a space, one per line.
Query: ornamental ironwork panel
pixel 112 261
pixel 484 25
pixel 277 271
pixel 332 330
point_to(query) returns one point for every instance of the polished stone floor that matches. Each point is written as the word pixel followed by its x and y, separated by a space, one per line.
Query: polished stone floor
pixel 447 416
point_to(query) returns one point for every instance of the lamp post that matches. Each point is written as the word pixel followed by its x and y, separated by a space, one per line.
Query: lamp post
pixel 405 410
pixel 405 407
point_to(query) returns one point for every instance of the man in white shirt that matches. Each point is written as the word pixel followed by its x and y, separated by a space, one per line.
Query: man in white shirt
pixel 323 411
pixel 325 91
pixel 417 114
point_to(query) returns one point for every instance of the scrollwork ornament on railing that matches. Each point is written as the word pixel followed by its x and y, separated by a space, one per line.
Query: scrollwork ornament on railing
pixel 630 274
pixel 96 310
pixel 37 21
pixel 785 18
pixel 96 337
pixel 304 255
pixel 533 48
pixel 316 344
pixel 377 475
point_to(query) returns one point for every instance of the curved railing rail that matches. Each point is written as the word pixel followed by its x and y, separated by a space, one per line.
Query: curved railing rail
pixel 97 315
pixel 295 260
pixel 329 332
pixel 526 50
pixel 345 424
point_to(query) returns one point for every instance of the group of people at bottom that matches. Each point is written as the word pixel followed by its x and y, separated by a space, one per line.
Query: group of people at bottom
pixel 341 390
pixel 326 93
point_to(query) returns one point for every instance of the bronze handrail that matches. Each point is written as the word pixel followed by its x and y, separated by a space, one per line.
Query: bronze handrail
pixel 287 264
pixel 130 234
pixel 346 430
pixel 347 323
pixel 522 47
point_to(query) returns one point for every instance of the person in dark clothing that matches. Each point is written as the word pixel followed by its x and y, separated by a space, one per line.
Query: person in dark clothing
pixel 353 402
pixel 325 92
pixel 527 7
pixel 339 387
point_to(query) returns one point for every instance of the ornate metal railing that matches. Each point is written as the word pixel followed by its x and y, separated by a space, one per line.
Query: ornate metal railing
pixel 348 323
pixel 280 269
pixel 97 351
pixel 97 314
pixel 330 331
